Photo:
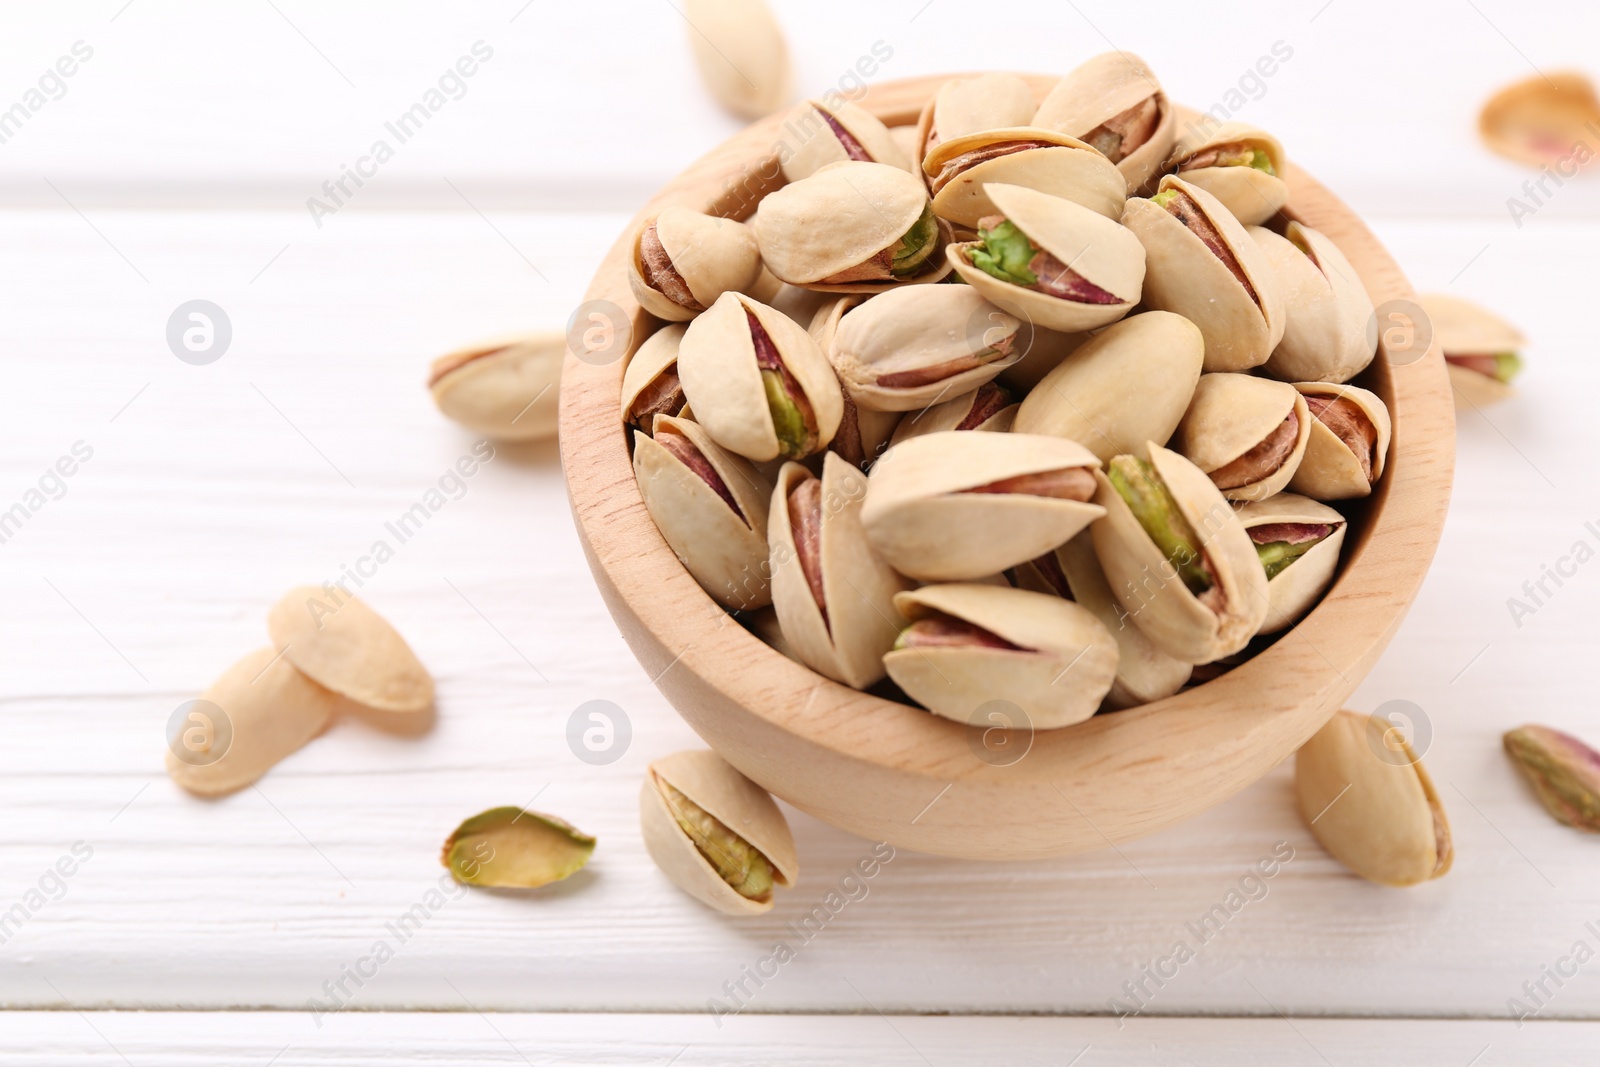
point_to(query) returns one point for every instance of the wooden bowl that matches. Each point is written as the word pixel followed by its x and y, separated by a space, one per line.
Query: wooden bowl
pixel 891 772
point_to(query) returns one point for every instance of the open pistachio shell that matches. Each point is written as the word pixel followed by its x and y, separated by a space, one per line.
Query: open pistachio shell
pixel 1204 156
pixel 1237 430
pixel 813 140
pixel 1035 158
pixel 971 105
pixel 343 645
pixel 683 260
pixel 1463 329
pixel 989 407
pixel 735 831
pixel 1059 667
pixel 757 411
pixel 947 506
pixel 722 544
pixel 1545 120
pixel 909 348
pixel 1153 592
pixel 1379 815
pixel 1109 102
pixel 510 848
pixel 833 593
pixel 1042 353
pixel 1326 308
pixel 506 389
pixel 650 385
pixel 1128 384
pixel 1331 469
pixel 1295 589
pixel 863 434
pixel 1184 275
pixel 740 50
pixel 1084 243
pixel 270 711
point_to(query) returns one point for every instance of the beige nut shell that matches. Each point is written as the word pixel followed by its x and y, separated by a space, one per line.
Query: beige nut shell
pixel 1253 196
pixel 1068 168
pixel 812 144
pixel 740 50
pixel 713 256
pixel 506 389
pixel 1102 88
pixel 1232 413
pixel 732 799
pixel 1327 313
pixel 971 105
pixel 1463 328
pixel 343 645
pixel 658 354
pixel 1300 585
pixel 947 416
pixel 1330 471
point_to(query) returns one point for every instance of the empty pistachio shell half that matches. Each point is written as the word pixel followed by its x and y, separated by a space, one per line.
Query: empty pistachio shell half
pixel 506 390
pixel 832 592
pixel 1201 264
pixel 1051 262
pixel 268 711
pixel 757 381
pixel 1348 443
pixel 971 105
pixel 969 645
pixel 989 407
pixel 715 833
pixel 1239 164
pixel 820 133
pixel 650 385
pixel 1564 772
pixel 683 260
pixel 515 849
pixel 957 506
pixel 1114 103
pixel 1248 434
pixel 343 645
pixel 1298 542
pixel 1177 557
pixel 1326 308
pixel 1544 120
pixel 711 507
pixel 1046 160
pixel 1482 352
pixel 1377 814
pixel 740 50
pixel 1128 384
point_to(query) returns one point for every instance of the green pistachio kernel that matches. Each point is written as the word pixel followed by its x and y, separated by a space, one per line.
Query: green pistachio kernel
pixel 1005 252
pixel 740 864
pixel 1165 197
pixel 1259 160
pixel 1147 497
pixel 919 242
pixel 1507 365
pixel 787 419
pixel 1277 555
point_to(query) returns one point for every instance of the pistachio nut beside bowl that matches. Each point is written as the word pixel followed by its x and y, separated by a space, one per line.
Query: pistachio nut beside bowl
pixel 1327 335
pixel 684 260
pixel 1239 164
pixel 1248 434
pixel 650 384
pixel 1482 351
pixel 822 132
pixel 990 407
pixel 1051 162
pixel 971 105
pixel 724 33
pixel 1298 541
pixel 1114 103
pixel 505 390
pixel 1349 439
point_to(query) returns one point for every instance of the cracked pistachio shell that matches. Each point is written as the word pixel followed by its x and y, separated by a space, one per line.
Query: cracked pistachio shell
pixel 863 434
pixel 1252 195
pixel 1042 353
pixel 506 390
pixel 1463 328
pixel 510 848
pixel 972 105
pixel 1097 248
pixel 813 145
pixel 712 255
pixel 1183 275
pixel 1326 308
pixel 824 322
pixel 1144 581
pixel 722 381
pixel 1101 89
pixel 725 550
pixel 1388 825
pixel 920 331
pixel 1064 166
pixel 744 810
pixel 1543 120
pixel 920 517
pixel 838 218
pixel 657 356
pixel 1330 470
pixel 271 711
pixel 990 405
pixel 1232 413
pixel 1300 585
pixel 343 645
pixel 1128 384
pixel 1062 669
pixel 740 50
pixel 858 586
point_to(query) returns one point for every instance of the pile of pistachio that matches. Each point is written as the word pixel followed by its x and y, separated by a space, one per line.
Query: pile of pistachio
pixel 1044 403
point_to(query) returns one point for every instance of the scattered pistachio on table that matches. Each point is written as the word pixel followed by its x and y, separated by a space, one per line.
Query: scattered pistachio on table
pixel 1544 120
pixel 512 848
pixel 505 390
pixel 1482 352
pixel 1564 773
pixel 740 50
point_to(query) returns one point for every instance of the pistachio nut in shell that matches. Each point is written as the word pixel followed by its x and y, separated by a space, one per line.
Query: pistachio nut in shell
pixel 1052 262
pixel 1326 308
pixel 1051 162
pixel 1547 120
pixel 717 835
pixel 1114 103
pixel 740 50
pixel 1482 351
pixel 757 381
pixel 1177 557
pixel 956 506
pixel 863 434
pixel 1127 384
pixel 711 508
pixel 833 593
pixel 1042 353
pixel 971 105
pixel 1247 433
pixel 1298 541
pixel 1239 164
pixel 990 407
pixel 906 349
pixel 650 384
pixel 343 645
pixel 683 260
pixel 505 390
pixel 271 711
pixel 1378 816
pixel 1349 440
pixel 510 848
pixel 1201 264
pixel 1564 773
pixel 970 644
pixel 822 132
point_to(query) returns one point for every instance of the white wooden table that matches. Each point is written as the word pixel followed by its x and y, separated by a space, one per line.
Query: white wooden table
pixel 176 166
